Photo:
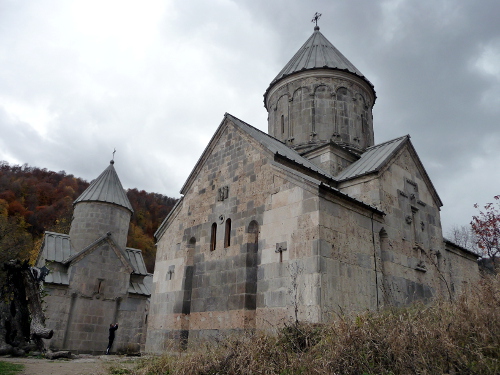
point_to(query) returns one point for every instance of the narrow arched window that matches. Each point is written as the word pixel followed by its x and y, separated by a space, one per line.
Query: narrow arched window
pixel 227 235
pixel 213 237
pixel 253 235
pixel 282 124
pixel 190 251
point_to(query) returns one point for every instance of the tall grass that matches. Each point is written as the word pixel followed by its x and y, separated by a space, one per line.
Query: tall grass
pixel 7 368
pixel 462 337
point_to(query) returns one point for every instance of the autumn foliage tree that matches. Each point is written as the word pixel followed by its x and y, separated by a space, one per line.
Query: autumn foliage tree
pixel 486 227
pixel 35 200
pixel 149 211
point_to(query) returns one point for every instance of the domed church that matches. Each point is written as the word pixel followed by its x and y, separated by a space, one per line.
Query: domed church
pixel 308 220
pixel 94 279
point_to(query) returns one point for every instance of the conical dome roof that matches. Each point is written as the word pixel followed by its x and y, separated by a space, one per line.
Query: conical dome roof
pixel 317 53
pixel 106 188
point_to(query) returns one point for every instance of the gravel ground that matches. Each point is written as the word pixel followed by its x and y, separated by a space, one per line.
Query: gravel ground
pixel 80 365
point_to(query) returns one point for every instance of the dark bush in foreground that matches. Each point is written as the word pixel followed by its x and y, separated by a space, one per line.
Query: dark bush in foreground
pixel 443 338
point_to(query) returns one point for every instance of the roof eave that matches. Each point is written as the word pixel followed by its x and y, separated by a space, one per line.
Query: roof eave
pixel 163 226
pixel 352 199
pixel 130 209
pixel 384 163
pixel 284 76
pixel 203 156
pixel 447 241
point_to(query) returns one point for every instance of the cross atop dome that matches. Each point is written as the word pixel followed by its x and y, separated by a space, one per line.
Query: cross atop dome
pixel 315 20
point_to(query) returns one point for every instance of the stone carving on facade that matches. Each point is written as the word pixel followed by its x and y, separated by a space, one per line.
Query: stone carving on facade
pixel 357 237
pixel 94 280
pixel 223 193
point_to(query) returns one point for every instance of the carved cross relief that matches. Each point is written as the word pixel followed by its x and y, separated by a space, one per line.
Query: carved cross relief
pixel 280 248
pixel 413 218
pixel 222 193
pixel 411 210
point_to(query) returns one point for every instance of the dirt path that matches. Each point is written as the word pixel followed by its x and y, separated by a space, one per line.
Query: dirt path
pixel 82 365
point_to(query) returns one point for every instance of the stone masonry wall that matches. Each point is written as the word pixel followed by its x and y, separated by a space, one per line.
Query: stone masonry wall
pixel 97 296
pixel 288 272
pixel 461 269
pixel 293 245
pixel 199 291
pixel 131 335
pixel 331 158
pixel 413 259
pixel 92 220
pixel 321 106
pixel 348 256
pixel 57 308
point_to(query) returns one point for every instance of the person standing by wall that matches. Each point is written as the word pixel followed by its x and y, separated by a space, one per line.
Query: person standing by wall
pixel 111 337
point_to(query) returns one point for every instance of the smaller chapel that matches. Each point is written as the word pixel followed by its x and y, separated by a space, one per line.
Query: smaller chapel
pixel 305 221
pixel 94 279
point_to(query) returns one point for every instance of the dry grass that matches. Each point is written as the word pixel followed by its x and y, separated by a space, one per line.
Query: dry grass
pixel 462 337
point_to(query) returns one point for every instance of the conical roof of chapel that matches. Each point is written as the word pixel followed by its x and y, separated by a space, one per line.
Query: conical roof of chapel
pixel 317 53
pixel 106 188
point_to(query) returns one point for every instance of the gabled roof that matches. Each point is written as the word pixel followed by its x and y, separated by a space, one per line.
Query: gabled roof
pixel 271 144
pixel 373 159
pixel 277 147
pixel 57 277
pixel 90 248
pixel 136 260
pixel 106 188
pixel 452 244
pixel 138 288
pixel 56 247
pixel 317 53
pixel 376 157
pixel 171 214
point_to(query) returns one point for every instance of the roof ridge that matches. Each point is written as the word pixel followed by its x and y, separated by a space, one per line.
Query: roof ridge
pixel 91 247
pixel 372 159
pixel 227 114
pixel 67 260
pixel 59 234
pixel 282 149
pixel 386 142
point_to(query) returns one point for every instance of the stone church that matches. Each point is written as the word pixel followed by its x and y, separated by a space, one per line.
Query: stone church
pixel 312 216
pixel 94 279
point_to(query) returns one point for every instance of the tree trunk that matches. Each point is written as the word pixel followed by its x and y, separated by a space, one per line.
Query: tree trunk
pixel 24 291
pixel 56 355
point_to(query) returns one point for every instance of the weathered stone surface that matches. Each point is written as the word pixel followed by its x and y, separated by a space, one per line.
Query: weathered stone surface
pixel 96 293
pixel 301 244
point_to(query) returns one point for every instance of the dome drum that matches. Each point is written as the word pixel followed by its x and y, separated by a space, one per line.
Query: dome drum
pixel 90 218
pixel 322 105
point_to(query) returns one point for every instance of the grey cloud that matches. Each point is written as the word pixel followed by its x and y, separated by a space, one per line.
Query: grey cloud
pixel 160 108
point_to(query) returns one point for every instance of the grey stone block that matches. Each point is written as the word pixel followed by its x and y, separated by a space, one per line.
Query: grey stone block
pixel 236 302
pixel 364 260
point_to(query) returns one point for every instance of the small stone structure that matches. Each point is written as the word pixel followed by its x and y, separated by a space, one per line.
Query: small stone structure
pixel 307 221
pixel 94 279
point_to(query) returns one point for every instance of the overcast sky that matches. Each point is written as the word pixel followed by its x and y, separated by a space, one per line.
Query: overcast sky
pixel 153 79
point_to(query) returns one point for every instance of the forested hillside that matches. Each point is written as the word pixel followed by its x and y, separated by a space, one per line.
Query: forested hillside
pixel 35 200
